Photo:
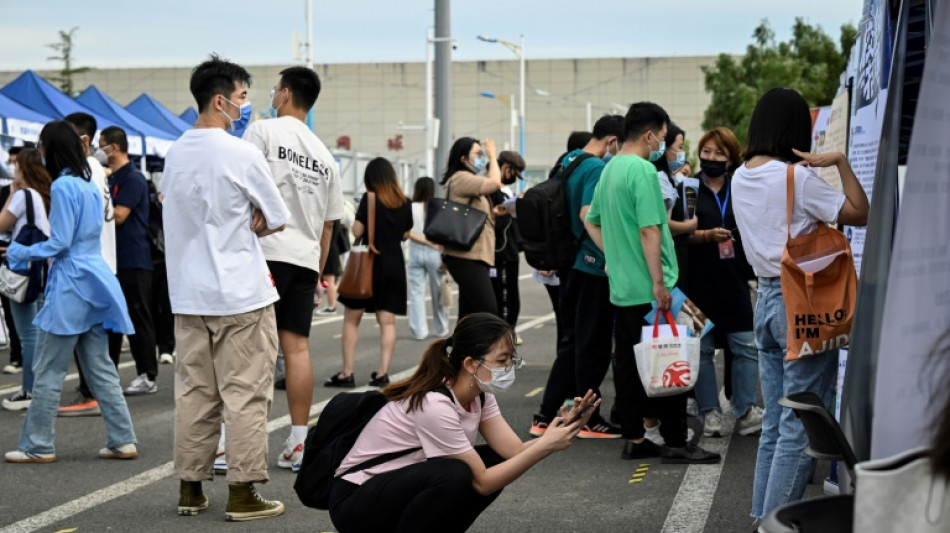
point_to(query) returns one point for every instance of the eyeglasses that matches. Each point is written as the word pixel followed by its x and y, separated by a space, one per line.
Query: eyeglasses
pixel 514 363
pixel 274 91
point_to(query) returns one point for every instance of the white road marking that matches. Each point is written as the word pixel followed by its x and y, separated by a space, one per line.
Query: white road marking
pixel 122 488
pixel 69 377
pixel 690 508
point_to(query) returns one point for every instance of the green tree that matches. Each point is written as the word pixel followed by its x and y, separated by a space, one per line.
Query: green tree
pixel 810 62
pixel 65 49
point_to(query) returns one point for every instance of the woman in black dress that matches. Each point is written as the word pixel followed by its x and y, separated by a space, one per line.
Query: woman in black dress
pixel 393 222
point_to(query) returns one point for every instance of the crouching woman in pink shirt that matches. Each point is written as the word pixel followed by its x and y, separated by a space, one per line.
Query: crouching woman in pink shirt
pixel 443 481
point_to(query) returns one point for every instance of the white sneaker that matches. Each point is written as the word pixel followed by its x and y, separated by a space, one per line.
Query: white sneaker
pixel 326 311
pixel 751 422
pixel 19 456
pixel 291 455
pixel 712 426
pixel 126 451
pixel 220 462
pixel 141 385
pixel 724 404
pixel 166 359
pixel 12 369
pixel 18 402
pixel 653 435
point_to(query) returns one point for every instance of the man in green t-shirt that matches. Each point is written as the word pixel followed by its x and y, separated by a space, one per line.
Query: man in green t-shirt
pixel 628 221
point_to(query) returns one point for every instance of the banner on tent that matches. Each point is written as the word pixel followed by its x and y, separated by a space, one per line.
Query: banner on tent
pixel 21 129
pixel 917 307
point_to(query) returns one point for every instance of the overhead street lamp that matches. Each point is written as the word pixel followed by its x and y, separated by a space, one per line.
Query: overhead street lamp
pixel 518 50
pixel 509 102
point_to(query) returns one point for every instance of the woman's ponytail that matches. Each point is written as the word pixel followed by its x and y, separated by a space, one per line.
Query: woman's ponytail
pixel 433 371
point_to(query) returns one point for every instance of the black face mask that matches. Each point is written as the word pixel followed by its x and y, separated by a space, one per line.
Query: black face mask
pixel 712 169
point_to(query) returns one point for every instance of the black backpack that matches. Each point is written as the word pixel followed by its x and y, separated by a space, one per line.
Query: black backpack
pixel 335 433
pixel 156 233
pixel 544 222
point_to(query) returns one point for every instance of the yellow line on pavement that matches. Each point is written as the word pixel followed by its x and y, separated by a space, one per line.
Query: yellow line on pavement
pixel 534 392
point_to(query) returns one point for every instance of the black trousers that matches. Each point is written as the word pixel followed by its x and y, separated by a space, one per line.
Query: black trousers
pixel 432 496
pixel 475 289
pixel 632 399
pixel 584 348
pixel 554 294
pixel 164 320
pixel 16 353
pixel 507 296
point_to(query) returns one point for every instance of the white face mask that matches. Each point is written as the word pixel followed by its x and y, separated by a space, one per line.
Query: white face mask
pixel 501 379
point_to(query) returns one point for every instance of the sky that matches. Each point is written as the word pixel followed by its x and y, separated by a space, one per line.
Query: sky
pixel 142 33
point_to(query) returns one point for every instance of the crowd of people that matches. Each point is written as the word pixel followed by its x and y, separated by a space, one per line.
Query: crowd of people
pixel 249 239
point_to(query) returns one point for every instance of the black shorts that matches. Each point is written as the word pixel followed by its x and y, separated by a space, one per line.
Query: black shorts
pixel 296 286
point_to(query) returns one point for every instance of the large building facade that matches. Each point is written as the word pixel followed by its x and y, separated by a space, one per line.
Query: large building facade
pixel 379 108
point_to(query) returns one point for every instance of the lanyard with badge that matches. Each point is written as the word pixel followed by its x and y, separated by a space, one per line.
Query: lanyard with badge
pixel 727 248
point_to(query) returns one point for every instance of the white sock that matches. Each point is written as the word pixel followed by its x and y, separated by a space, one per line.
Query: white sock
pixel 298 434
pixel 221 438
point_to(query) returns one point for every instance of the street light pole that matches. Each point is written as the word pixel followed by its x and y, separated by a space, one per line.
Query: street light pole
pixel 521 118
pixel 430 149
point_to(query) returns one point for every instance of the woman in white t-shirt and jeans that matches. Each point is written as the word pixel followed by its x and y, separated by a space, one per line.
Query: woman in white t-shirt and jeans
pixel 31 181
pixel 780 135
pixel 448 481
pixel 425 262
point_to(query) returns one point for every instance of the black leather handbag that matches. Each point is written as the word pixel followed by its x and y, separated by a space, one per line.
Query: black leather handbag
pixel 453 225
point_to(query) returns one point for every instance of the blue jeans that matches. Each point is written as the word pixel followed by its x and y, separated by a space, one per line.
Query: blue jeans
pixel 425 262
pixel 782 469
pixel 53 354
pixel 745 363
pixel 23 315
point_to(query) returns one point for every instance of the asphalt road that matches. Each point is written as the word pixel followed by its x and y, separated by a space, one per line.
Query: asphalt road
pixel 586 488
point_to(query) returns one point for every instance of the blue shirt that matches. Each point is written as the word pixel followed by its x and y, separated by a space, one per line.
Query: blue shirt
pixel 579 190
pixel 81 291
pixel 132 246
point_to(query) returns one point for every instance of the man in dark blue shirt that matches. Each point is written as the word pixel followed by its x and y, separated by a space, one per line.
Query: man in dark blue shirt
pixel 134 258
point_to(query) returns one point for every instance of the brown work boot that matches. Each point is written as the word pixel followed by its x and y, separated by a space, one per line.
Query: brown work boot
pixel 191 500
pixel 244 503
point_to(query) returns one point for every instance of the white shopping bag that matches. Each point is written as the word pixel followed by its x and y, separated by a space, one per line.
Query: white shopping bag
pixel 668 363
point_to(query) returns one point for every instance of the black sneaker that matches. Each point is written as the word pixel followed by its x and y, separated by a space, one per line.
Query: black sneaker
pixel 280 384
pixel 380 381
pixel 337 382
pixel 599 429
pixel 688 455
pixel 643 450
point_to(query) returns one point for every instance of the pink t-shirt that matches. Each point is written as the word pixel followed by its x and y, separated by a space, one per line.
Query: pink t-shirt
pixel 441 427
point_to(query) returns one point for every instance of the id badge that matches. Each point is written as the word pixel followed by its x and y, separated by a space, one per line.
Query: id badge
pixel 492 272
pixel 727 250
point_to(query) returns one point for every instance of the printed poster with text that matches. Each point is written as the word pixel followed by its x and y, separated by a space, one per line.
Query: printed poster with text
pixel 869 104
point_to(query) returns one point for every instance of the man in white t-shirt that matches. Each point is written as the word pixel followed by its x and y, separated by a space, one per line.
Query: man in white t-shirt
pixel 307 178
pixel 219 198
pixel 85 403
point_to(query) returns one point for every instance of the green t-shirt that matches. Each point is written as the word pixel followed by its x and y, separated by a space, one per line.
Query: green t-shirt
pixel 627 199
pixel 579 190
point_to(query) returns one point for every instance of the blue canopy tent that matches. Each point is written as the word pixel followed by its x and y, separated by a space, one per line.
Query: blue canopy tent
pixel 17 120
pixel 150 110
pixel 189 115
pixel 32 91
pixel 157 141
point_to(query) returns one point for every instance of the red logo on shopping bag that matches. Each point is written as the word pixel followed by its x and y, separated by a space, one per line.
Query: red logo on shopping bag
pixel 677 375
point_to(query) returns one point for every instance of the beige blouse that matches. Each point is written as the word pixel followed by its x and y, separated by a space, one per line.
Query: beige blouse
pixel 462 187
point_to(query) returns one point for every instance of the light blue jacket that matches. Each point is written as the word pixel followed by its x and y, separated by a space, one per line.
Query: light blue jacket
pixel 81 291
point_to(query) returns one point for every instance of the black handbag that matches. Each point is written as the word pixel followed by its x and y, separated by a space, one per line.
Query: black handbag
pixel 453 225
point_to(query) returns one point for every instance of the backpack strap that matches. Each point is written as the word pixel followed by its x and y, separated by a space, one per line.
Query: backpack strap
pixel 789 197
pixel 378 460
pixel 30 217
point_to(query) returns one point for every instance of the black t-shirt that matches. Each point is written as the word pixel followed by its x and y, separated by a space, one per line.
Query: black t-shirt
pixel 720 286
pixel 133 248
pixel 680 242
pixel 391 224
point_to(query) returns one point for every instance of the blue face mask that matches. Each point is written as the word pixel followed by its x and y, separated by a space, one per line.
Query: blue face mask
pixel 679 162
pixel 607 157
pixel 658 153
pixel 239 123
pixel 479 165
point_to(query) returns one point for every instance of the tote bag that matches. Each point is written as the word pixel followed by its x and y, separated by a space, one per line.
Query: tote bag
pixel 357 280
pixel 25 285
pixel 453 225
pixel 667 362
pixel 819 285
pixel 900 494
